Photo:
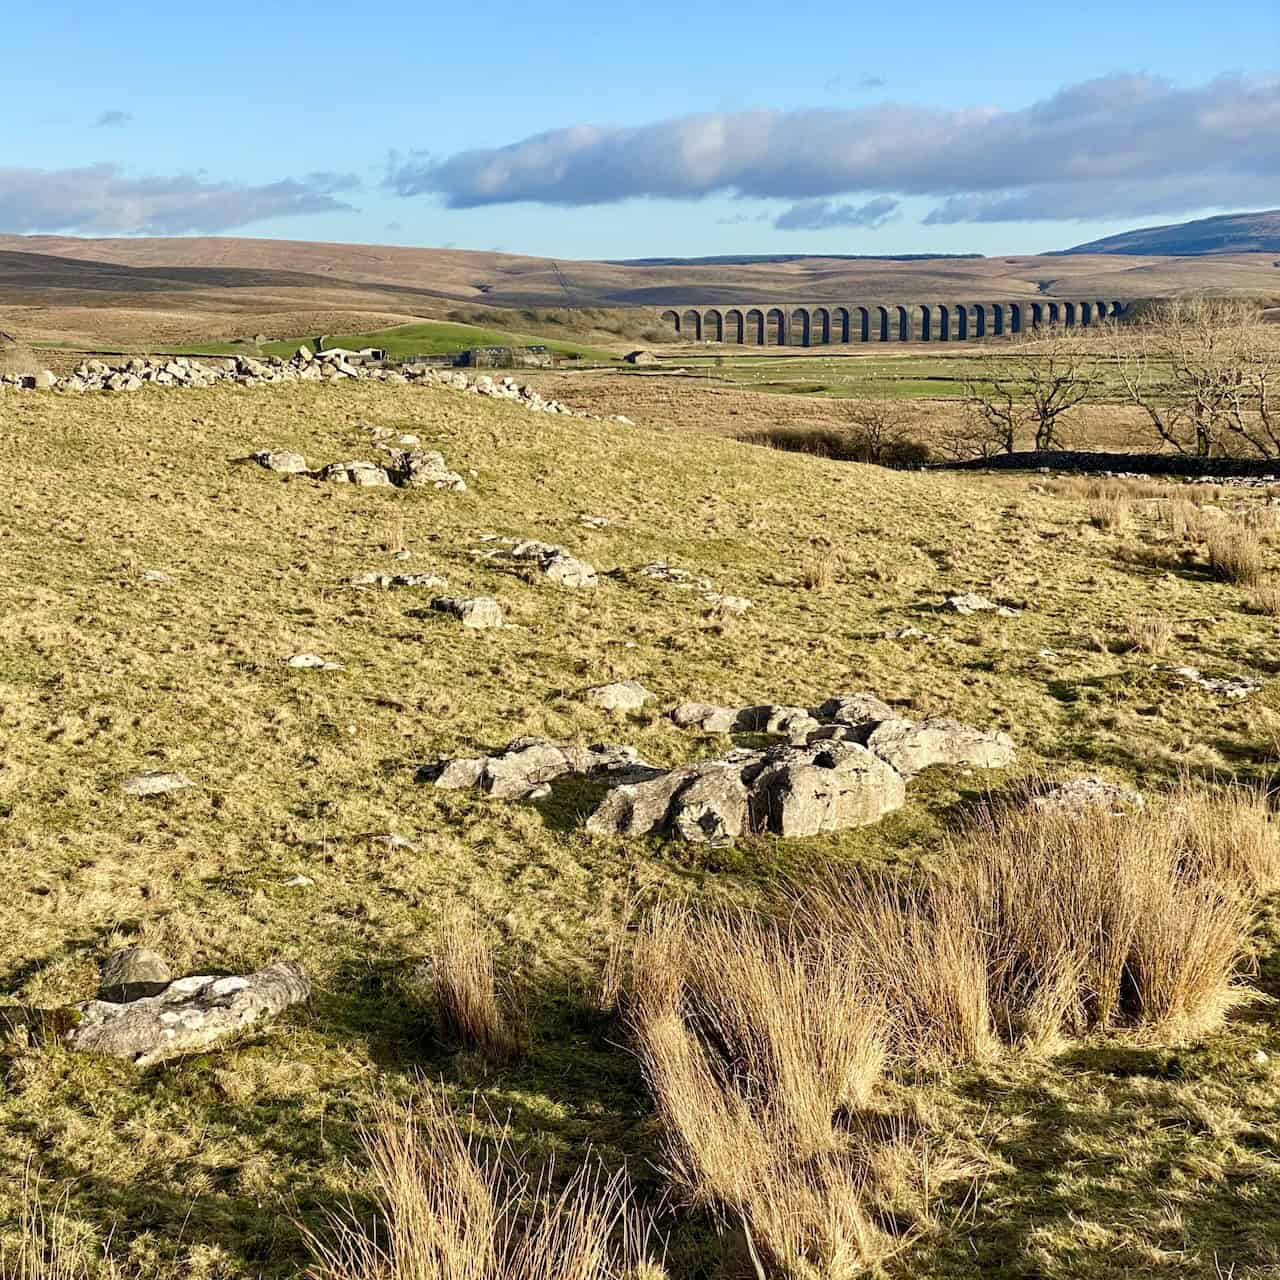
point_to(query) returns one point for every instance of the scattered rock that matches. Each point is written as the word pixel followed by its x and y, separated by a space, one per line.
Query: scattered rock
pixel 722 603
pixel 529 763
pixel 390 840
pixel 156 783
pixel 282 460
pixel 423 469
pixel 132 972
pixel 297 882
pixel 789 791
pixel 1087 793
pixel 555 564
pixel 312 662
pixel 852 708
pixel 187 1016
pixel 1233 688
pixel 912 746
pixel 364 474
pixel 477 612
pixel 386 581
pixel 705 716
pixel 971 603
pixel 156 578
pixel 622 695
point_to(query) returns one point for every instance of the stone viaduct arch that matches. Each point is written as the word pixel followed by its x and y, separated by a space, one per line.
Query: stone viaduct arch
pixel 826 324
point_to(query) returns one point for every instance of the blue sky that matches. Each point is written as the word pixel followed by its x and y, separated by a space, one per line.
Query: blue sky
pixel 625 131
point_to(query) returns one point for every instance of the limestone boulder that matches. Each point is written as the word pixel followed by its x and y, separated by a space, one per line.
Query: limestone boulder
pixel 284 461
pixel 834 786
pixel 479 613
pixel 911 746
pixel 621 695
pixel 189 1015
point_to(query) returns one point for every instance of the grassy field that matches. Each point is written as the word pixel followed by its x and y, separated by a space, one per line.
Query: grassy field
pixel 1119 1157
pixel 428 338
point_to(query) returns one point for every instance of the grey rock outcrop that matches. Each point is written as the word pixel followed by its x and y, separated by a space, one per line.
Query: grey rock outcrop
pixel 477 612
pixel 528 764
pixel 705 716
pixel 555 564
pixel 912 746
pixel 788 791
pixel 357 472
pixel 189 1015
pixel 423 469
pixel 1087 794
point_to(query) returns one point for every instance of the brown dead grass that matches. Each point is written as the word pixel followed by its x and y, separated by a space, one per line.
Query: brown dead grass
pixel 1149 633
pixel 1235 553
pixel 466 990
pixel 450 1212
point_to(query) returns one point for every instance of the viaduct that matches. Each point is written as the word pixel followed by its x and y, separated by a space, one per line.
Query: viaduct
pixel 826 325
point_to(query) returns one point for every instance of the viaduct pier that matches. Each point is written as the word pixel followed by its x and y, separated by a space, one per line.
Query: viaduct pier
pixel 839 324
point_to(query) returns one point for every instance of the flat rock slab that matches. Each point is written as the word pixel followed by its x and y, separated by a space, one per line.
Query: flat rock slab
pixel 155 783
pixel 188 1016
pixel 971 603
pixel 912 746
pixel 1233 688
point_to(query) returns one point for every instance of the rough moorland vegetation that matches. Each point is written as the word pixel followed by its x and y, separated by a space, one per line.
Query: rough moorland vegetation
pixel 1017 1021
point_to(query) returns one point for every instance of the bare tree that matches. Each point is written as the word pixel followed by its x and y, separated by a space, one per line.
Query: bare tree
pixel 1027 388
pixel 1206 373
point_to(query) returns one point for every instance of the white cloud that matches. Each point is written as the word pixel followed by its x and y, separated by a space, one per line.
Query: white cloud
pixel 100 200
pixel 1122 144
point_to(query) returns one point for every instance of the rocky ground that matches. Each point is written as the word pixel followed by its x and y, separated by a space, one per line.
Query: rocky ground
pixel 284 675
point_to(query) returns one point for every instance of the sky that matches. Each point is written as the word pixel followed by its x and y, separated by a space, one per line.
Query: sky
pixel 601 131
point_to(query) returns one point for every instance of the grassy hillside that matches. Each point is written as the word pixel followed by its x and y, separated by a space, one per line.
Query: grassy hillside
pixel 1119 1158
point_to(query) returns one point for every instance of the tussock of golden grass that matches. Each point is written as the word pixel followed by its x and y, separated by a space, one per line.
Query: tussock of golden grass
pixel 1043 925
pixel 1149 633
pixel 1235 553
pixel 1110 513
pixel 918 947
pixel 754 1042
pixel 44 1248
pixel 449 1212
pixel 1266 600
pixel 818 573
pixel 466 989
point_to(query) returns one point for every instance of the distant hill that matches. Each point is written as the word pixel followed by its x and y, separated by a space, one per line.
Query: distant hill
pixel 752 259
pixel 1227 233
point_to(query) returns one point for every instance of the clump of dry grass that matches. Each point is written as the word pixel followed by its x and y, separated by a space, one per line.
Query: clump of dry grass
pixel 754 1042
pixel 1235 553
pixel 1149 633
pixel 1110 513
pixel 1265 599
pixel 45 1248
pixel 466 989
pixel 1042 925
pixel 449 1212
pixel 818 573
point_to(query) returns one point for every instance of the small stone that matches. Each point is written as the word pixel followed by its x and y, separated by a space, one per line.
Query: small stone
pixel 968 604
pixel 282 460
pixel 362 474
pixel 131 973
pixel 156 783
pixel 477 612
pixel 156 578
pixel 312 662
pixel 298 882
pixel 622 695
pixel 1084 794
